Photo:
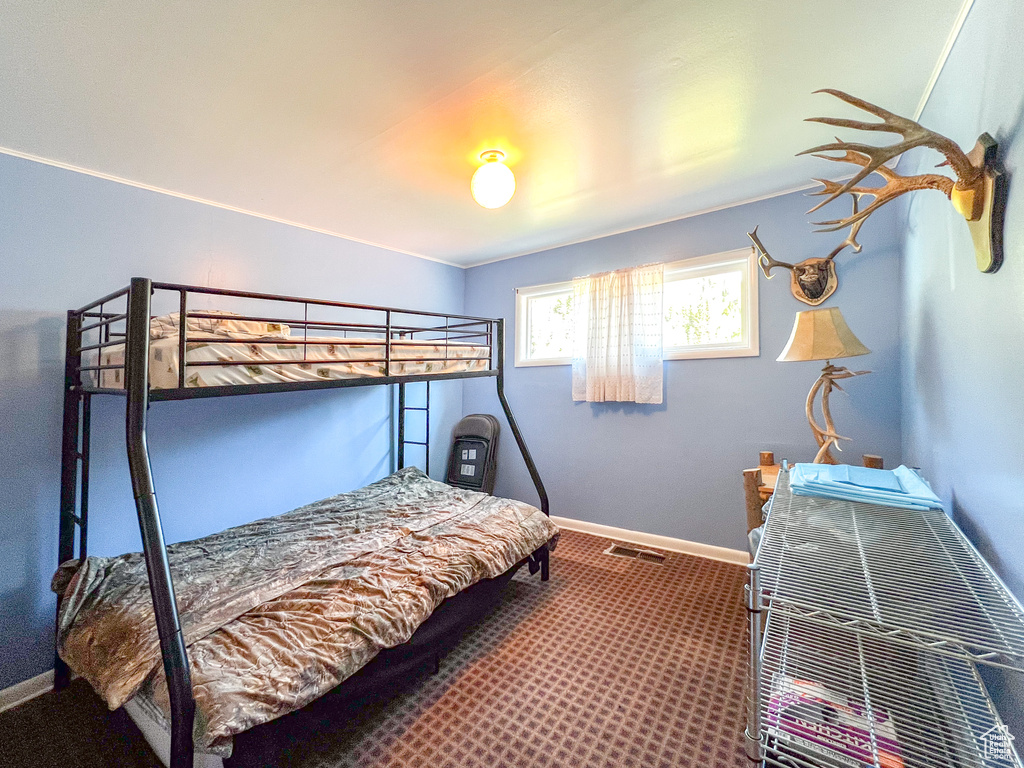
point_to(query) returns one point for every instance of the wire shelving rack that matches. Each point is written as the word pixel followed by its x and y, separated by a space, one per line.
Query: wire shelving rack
pixel 878 618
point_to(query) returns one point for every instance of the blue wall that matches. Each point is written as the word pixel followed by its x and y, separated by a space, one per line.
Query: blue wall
pixel 675 469
pixel 963 345
pixel 68 238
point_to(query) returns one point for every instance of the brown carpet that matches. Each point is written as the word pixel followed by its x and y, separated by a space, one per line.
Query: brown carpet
pixel 613 663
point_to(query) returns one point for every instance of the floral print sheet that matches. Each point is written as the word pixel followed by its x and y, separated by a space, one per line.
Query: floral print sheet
pixel 263 357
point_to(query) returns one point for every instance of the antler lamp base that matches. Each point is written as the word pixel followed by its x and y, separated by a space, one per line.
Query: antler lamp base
pixel 828 436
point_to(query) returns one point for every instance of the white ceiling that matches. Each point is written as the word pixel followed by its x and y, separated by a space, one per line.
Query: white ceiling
pixel 364 119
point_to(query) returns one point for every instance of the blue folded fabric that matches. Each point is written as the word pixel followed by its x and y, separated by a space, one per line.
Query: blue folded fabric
pixel 900 487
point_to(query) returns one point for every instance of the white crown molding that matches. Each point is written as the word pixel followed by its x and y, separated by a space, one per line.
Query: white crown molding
pixel 940 64
pixel 954 33
pixel 26 691
pixel 703 211
pixel 214 204
pixel 709 551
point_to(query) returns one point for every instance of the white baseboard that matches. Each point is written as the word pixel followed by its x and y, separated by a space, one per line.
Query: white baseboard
pixel 26 691
pixel 736 556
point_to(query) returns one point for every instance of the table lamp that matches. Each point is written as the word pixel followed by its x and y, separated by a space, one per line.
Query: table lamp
pixel 822 334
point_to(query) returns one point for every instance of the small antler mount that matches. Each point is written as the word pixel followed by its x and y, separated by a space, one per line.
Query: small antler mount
pixel 978 192
pixel 811 280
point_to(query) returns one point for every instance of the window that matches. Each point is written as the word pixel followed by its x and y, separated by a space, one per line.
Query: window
pixel 544 324
pixel 710 311
pixel 711 306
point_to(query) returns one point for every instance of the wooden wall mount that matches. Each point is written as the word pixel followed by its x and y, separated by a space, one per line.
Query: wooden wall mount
pixel 987 228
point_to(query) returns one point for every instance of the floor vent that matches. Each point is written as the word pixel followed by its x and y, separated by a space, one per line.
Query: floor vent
pixel 622 551
pixel 650 557
pixel 637 554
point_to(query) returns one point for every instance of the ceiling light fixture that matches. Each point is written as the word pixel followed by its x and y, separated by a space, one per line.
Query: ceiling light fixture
pixel 493 183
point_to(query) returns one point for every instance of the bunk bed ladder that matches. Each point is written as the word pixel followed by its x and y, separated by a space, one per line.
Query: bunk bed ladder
pixel 403 408
pixel 74 513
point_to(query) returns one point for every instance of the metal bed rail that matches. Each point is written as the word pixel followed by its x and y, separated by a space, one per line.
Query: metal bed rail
pixel 456 340
pixel 128 325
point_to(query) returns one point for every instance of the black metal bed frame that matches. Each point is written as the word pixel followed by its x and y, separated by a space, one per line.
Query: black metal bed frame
pixel 130 327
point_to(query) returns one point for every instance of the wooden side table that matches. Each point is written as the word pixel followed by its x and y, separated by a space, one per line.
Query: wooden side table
pixel 758 487
pixel 759 484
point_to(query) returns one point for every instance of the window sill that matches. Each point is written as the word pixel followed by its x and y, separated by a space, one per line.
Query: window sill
pixel 545 362
pixel 690 354
pixel 712 352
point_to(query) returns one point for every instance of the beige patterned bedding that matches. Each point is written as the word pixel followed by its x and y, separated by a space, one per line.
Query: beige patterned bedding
pixel 277 612
pixel 263 356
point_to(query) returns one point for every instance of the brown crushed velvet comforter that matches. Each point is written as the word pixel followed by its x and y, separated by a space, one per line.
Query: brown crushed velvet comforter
pixel 277 612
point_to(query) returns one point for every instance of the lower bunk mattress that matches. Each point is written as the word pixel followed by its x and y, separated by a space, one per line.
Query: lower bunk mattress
pixel 389 672
pixel 277 612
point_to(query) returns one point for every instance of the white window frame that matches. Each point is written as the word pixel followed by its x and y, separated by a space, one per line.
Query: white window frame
pixel 749 344
pixel 523 296
pixel 699 266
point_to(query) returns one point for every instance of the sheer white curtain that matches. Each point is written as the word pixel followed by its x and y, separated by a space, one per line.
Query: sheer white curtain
pixel 617 336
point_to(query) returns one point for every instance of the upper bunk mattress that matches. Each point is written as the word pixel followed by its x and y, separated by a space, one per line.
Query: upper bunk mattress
pixel 277 612
pixel 260 359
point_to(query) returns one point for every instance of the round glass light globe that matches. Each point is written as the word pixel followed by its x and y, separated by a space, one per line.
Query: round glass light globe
pixel 493 184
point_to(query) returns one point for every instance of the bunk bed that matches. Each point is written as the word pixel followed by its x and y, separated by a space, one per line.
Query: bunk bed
pixel 118 346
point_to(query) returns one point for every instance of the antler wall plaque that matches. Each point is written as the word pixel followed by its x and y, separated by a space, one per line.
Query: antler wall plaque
pixel 811 280
pixel 978 192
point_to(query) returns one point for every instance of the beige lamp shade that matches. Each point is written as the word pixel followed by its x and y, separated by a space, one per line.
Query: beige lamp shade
pixel 821 334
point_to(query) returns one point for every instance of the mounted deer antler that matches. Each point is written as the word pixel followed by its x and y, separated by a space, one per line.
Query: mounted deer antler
pixel 976 191
pixel 765 259
pixel 895 185
pixel 812 280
